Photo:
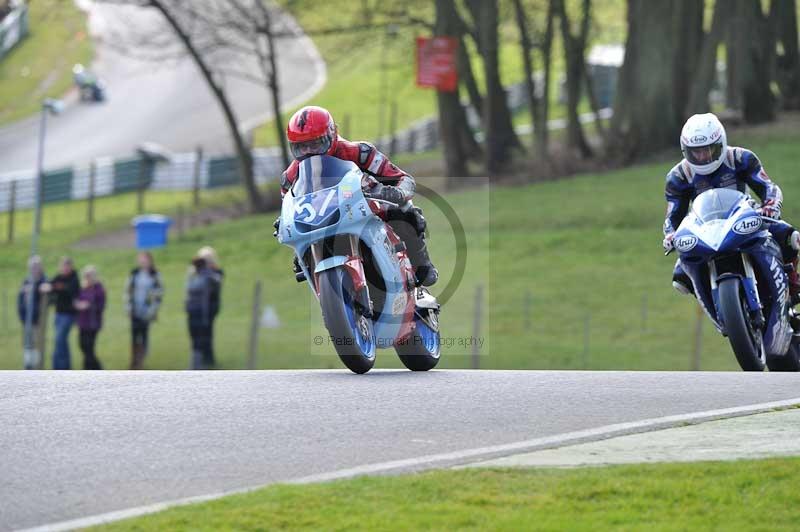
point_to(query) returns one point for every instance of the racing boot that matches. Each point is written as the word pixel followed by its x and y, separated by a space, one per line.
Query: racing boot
pixel 424 270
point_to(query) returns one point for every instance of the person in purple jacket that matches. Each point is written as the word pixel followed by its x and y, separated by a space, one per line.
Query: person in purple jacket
pixel 91 304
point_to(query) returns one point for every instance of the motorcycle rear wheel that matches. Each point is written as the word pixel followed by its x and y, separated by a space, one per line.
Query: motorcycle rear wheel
pixel 745 341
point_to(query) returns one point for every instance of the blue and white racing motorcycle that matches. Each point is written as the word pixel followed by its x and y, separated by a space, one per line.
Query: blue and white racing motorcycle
pixel 357 268
pixel 739 278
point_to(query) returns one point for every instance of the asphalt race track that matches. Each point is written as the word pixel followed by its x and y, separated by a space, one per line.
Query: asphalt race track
pixel 78 444
pixel 165 102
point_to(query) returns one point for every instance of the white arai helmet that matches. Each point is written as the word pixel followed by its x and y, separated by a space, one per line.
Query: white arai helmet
pixel 704 143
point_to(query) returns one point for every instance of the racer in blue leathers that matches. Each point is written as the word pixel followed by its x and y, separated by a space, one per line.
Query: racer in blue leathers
pixel 710 163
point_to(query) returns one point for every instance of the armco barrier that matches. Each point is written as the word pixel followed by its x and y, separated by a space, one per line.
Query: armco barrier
pixel 106 177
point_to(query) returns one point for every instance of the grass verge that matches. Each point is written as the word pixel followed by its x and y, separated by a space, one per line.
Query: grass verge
pixel 743 495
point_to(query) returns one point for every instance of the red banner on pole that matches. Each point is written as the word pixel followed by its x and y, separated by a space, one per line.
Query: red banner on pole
pixel 436 63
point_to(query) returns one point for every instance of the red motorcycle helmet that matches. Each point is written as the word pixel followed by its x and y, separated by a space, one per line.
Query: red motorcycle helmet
pixel 311 131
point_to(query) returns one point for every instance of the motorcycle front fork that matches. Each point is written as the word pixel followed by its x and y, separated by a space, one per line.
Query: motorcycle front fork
pixel 360 297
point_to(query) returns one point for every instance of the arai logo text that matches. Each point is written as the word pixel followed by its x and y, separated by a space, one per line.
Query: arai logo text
pixel 685 243
pixel 747 225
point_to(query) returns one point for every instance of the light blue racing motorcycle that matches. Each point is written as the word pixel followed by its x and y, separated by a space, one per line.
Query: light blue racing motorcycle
pixel 357 267
pixel 739 278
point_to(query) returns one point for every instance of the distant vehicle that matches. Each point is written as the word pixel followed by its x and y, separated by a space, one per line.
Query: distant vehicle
pixel 739 279
pixel 357 268
pixel 90 87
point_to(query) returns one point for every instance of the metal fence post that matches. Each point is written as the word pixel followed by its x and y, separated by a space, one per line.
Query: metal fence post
pixel 90 203
pixel 198 164
pixel 179 225
pixel 644 312
pixel 254 323
pixel 526 310
pixel 587 327
pixel 43 318
pixel 476 327
pixel 140 185
pixel 5 308
pixel 12 202
pixel 698 341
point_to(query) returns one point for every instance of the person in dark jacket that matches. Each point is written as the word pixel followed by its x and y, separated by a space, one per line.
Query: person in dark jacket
pixel 31 297
pixel 210 255
pixel 143 294
pixel 65 288
pixel 202 306
pixel 91 304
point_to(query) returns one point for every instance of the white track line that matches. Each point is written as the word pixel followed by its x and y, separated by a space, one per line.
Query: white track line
pixel 445 459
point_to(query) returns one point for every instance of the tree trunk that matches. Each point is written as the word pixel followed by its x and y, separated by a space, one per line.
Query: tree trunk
pixel 574 48
pixel 526 48
pixel 644 111
pixel 274 86
pixel 706 68
pixel 595 105
pixel 497 125
pixel 453 127
pixel 784 17
pixel 543 133
pixel 688 27
pixel 242 150
pixel 467 77
pixel 750 48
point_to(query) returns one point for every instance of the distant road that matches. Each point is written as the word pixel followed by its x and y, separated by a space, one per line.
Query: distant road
pixel 166 103
pixel 77 444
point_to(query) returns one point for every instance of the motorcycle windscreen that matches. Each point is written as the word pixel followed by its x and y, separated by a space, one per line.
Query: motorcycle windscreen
pixel 716 204
pixel 320 172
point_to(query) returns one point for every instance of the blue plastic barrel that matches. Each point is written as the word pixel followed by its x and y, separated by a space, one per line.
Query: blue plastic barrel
pixel 151 230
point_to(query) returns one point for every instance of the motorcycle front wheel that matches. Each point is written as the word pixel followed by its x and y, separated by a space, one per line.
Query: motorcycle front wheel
pixel 746 342
pixel 350 331
pixel 421 350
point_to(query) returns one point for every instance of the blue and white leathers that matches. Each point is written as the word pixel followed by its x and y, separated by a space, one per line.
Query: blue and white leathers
pixel 328 221
pixel 724 238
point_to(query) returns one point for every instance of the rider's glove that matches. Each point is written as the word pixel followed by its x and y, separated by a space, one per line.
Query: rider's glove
pixel 771 209
pixel 667 243
pixel 389 193
pixel 277 225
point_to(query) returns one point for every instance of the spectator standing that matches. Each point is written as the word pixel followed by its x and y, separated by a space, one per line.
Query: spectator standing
pixel 31 297
pixel 143 294
pixel 65 288
pixel 91 304
pixel 210 255
pixel 202 305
